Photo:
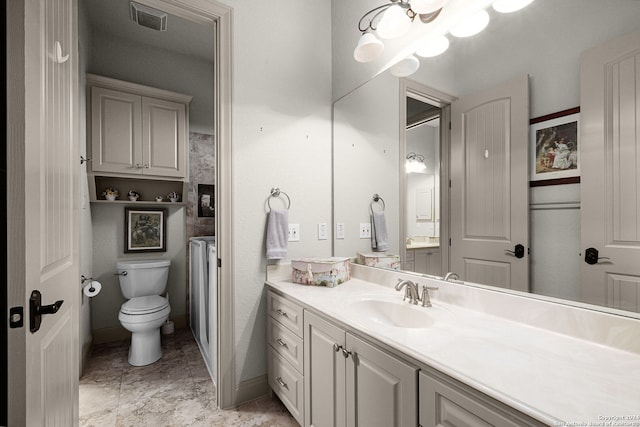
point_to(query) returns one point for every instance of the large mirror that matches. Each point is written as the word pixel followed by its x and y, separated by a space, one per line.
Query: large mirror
pixel 372 143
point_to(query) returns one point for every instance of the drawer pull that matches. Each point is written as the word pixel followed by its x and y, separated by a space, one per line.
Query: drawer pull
pixel 282 383
pixel 282 313
pixel 281 343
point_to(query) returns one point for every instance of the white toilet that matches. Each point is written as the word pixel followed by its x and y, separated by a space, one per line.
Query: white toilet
pixel 142 282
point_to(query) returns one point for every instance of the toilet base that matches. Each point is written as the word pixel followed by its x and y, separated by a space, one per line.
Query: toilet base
pixel 145 347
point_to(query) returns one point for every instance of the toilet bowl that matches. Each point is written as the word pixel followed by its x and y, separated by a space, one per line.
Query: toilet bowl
pixel 146 310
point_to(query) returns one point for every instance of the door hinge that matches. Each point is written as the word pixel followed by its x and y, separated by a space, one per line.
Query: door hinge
pixel 219 263
pixel 449 125
pixel 449 241
pixel 16 317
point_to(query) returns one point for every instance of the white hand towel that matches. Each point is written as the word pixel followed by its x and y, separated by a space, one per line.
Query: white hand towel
pixel 379 235
pixel 277 234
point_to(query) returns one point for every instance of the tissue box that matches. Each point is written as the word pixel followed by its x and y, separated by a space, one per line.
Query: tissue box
pixel 328 272
pixel 380 260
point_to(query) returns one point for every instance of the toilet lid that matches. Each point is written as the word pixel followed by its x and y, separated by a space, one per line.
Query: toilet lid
pixel 144 305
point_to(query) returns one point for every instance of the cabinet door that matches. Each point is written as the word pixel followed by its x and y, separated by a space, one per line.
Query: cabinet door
pixel 381 390
pixel 116 134
pixel 324 373
pixel 164 137
pixel 444 403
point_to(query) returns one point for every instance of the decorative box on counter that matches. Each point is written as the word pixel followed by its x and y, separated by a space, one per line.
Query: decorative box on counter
pixel 380 260
pixel 328 272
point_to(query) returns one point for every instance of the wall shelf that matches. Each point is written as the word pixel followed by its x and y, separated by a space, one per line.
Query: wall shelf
pixel 147 188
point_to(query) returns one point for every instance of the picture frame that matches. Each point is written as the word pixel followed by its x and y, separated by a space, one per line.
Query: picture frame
pixel 206 201
pixel 555 148
pixel 145 230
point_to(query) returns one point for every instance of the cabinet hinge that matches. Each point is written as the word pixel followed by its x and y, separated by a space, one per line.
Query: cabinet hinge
pixel 449 241
pixel 449 125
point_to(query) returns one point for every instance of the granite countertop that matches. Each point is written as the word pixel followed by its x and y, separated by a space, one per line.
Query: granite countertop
pixel 555 378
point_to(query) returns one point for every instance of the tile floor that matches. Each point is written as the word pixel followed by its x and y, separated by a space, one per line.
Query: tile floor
pixel 175 391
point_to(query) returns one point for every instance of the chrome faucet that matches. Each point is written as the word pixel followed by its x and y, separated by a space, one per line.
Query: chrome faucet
pixel 451 276
pixel 411 290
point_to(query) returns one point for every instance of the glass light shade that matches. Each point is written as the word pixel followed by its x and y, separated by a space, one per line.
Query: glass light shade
pixel 405 67
pixel 415 166
pixel 508 6
pixel 433 47
pixel 471 25
pixel 427 6
pixel 368 48
pixel 394 23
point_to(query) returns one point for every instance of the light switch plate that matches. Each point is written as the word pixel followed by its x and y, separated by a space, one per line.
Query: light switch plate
pixel 294 232
pixel 322 231
pixel 365 230
pixel 340 230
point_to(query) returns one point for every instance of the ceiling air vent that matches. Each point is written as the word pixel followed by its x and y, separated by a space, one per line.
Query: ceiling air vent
pixel 148 17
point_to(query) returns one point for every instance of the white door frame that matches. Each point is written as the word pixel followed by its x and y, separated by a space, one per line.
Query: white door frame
pixel 444 101
pixel 221 18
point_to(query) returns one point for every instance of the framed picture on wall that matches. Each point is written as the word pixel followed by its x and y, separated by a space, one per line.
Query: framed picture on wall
pixel 555 148
pixel 206 206
pixel 145 230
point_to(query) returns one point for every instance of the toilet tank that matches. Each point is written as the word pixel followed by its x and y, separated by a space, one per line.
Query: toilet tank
pixel 143 277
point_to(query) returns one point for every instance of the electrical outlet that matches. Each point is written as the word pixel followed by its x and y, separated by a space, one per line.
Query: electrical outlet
pixel 294 232
pixel 365 230
pixel 340 230
pixel 322 231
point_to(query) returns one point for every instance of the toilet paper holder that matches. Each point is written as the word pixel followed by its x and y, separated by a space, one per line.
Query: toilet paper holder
pixel 84 279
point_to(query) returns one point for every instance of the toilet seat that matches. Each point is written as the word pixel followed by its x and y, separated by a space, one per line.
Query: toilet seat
pixel 144 305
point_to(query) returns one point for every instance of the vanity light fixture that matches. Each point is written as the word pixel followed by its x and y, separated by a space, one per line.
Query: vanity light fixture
pixel 415 163
pixel 395 19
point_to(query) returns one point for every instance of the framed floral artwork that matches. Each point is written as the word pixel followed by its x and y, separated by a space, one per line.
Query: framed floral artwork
pixel 145 230
pixel 555 148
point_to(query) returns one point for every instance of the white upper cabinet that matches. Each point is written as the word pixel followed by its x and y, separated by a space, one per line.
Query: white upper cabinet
pixel 137 130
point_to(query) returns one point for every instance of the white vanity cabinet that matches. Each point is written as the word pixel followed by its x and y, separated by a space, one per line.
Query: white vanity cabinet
pixel 426 260
pixel 446 402
pixel 349 382
pixel 285 353
pixel 137 130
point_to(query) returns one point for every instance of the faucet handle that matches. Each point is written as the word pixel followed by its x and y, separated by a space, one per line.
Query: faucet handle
pixel 426 300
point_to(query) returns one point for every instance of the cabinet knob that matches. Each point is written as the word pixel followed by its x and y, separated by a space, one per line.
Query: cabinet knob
pixel 146 166
pixel 138 166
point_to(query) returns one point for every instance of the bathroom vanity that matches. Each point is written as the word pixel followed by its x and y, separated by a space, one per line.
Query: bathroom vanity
pixel 357 354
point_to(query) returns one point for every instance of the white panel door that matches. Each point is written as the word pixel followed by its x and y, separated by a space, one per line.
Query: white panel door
pixel 43 241
pixel 610 183
pixel 489 186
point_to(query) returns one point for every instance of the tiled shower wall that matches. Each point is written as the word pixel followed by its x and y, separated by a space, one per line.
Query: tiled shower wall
pixel 202 162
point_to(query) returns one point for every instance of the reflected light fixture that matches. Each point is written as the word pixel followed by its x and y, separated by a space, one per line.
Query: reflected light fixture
pixel 415 163
pixel 395 18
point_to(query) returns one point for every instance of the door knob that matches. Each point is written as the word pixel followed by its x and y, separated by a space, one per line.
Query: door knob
pixel 591 256
pixel 518 251
pixel 36 310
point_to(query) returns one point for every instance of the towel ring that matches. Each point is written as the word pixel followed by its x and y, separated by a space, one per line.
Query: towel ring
pixel 376 199
pixel 276 192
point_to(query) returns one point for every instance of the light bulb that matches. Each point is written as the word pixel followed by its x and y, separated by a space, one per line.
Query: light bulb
pixel 394 23
pixel 427 6
pixel 405 67
pixel 433 47
pixel 471 25
pixel 508 6
pixel 368 48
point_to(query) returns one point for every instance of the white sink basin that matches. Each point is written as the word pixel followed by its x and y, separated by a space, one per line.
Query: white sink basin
pixel 399 314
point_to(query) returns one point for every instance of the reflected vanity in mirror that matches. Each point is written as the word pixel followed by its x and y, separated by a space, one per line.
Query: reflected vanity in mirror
pixel 373 146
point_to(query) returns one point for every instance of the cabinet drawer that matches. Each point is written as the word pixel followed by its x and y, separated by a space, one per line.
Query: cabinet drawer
pixel 286 343
pixel 286 312
pixel 287 383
